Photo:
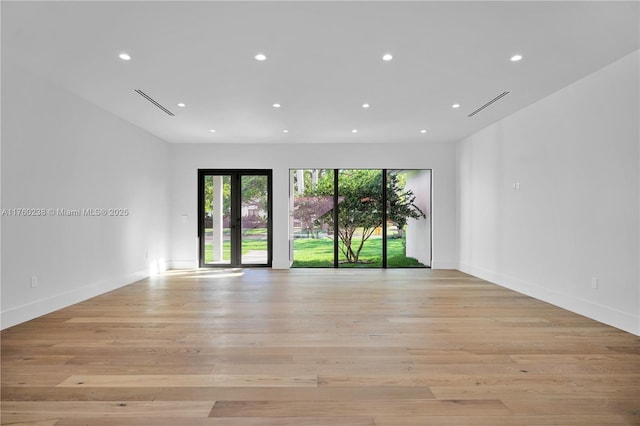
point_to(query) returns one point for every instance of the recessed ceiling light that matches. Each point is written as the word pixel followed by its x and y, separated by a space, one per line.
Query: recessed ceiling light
pixel 182 105
pixel 260 57
pixel 212 131
pixel 423 131
pixel 516 58
pixel 276 105
pixel 125 56
pixel 387 57
pixel 455 106
pixel 285 131
pixel 354 131
pixel 365 105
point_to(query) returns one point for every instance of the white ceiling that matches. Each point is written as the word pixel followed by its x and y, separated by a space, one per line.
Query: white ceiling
pixel 324 62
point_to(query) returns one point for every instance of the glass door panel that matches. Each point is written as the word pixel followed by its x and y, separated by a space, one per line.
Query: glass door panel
pixel 216 219
pixel 254 217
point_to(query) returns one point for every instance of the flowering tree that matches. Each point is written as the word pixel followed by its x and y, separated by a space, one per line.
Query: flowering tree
pixel 360 208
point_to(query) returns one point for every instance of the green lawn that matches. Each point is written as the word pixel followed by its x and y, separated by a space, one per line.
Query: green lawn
pixel 313 253
pixel 247 246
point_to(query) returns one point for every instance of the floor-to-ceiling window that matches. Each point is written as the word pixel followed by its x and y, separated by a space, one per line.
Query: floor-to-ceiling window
pixel 361 218
pixel 408 227
pixel 312 217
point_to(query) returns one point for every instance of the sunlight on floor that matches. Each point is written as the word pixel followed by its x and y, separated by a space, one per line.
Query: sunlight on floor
pixel 203 273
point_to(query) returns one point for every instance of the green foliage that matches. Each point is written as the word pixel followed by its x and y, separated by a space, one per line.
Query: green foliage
pixel 254 192
pixel 400 202
pixel 360 208
pixel 226 194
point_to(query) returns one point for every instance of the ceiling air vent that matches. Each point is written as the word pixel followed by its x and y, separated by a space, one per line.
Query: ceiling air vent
pixel 153 101
pixel 500 96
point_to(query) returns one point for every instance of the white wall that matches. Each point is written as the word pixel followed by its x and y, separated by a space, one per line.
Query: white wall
pixel 59 151
pixel 188 158
pixel 575 155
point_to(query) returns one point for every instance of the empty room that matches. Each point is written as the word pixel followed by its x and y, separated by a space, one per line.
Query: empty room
pixel 307 213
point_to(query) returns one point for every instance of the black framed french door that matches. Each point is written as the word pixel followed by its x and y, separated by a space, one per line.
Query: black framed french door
pixel 234 217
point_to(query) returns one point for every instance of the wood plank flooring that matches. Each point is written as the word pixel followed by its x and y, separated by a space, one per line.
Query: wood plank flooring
pixel 317 347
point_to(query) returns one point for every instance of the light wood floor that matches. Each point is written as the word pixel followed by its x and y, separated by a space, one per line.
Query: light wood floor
pixel 318 347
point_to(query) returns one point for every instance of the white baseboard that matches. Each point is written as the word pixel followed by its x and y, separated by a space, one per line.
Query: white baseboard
pixel 47 305
pixel 184 264
pixel 597 312
pixel 194 264
pixel 443 264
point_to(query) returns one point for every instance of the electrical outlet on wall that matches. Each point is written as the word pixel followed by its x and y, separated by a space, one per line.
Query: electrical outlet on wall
pixel 34 281
pixel 594 282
